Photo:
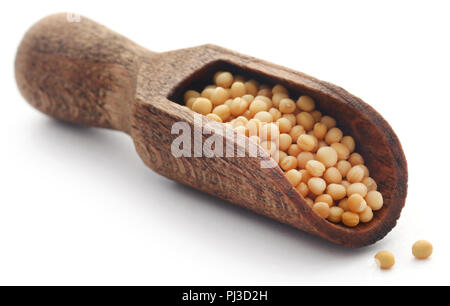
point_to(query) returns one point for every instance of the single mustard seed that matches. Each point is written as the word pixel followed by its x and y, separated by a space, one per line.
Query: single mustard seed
pixel 294 150
pixel 328 156
pixel 356 159
pixel 366 215
pixel 349 142
pixel 279 89
pixel 237 89
pixel 303 189
pixel 350 219
pixel 219 96
pixel 315 168
pixel 336 191
pixel 214 117
pixel 355 174
pixel 333 135
pixel 306 104
pixel 341 150
pixel 287 106
pixel 285 141
pixel 328 121
pixel 224 79
pixel 296 131
pixel 356 203
pixel 284 125
pixel 325 198
pixel 385 259
pixel 289 163
pixel 322 209
pixel 370 184
pixel 238 106
pixel 317 115
pixel 222 111
pixel 357 188
pixel 258 105
pixel 251 87
pixel 276 114
pixel 335 214
pixel 306 142
pixel 303 158
pixel 317 185
pixel 291 118
pixel 294 177
pixel 202 106
pixel 320 130
pixel 277 97
pixel 343 166
pixel 422 249
pixel 264 117
pixel 375 200
pixel 332 176
pixel 306 120
pixel 190 94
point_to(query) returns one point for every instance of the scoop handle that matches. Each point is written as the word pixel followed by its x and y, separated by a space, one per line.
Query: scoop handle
pixel 77 70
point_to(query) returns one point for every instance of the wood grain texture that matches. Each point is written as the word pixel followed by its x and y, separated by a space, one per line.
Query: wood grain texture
pixel 85 73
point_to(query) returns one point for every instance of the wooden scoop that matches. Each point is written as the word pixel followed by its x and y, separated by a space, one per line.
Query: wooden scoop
pixel 84 73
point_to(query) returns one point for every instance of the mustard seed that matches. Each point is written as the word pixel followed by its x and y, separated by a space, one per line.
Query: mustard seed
pixel 320 130
pixel 303 189
pixel 306 104
pixel 219 96
pixel 335 214
pixel 341 150
pixel 284 125
pixel 306 120
pixel 306 142
pixel 207 93
pixel 366 215
pixel 202 106
pixel 325 198
pixel 356 203
pixel 385 259
pixel 264 117
pixel 294 177
pixel 303 158
pixel 237 89
pixel 190 94
pixel 370 184
pixel 333 135
pixel 332 176
pixel 224 79
pixel 355 174
pixel 422 249
pixel 296 131
pixel 328 156
pixel 315 168
pixel 291 118
pixel 238 106
pixel 328 121
pixel 350 219
pixel 356 159
pixel 277 97
pixel 357 188
pixel 287 106
pixel 317 115
pixel 349 142
pixel 276 114
pixel 214 117
pixel 285 141
pixel 257 106
pixel 343 166
pixel 322 209
pixel 281 155
pixel 251 87
pixel 375 200
pixel 343 204
pixel 289 163
pixel 279 89
pixel 336 191
pixel 222 111
pixel 294 150
pixel 317 185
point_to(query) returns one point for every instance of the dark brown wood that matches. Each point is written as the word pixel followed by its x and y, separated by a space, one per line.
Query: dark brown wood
pixel 83 72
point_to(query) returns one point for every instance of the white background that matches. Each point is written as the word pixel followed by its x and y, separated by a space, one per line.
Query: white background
pixel 77 206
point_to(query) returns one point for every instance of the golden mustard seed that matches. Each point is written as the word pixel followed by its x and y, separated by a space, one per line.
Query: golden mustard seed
pixel 202 106
pixel 356 159
pixel 251 87
pixel 333 135
pixel 317 185
pixel 279 89
pixel 355 174
pixel 366 215
pixel 237 89
pixel 375 200
pixel 350 219
pixel 303 189
pixel 385 259
pixel 294 177
pixel 306 142
pixel 306 104
pixel 190 94
pixel 320 130
pixel 285 141
pixel 315 168
pixel 264 117
pixel 291 118
pixel 356 203
pixel 349 142
pixel 322 209
pixel 257 106
pixel 370 184
pixel 219 96
pixel 224 79
pixel 325 198
pixel 332 176
pixel 276 114
pixel 303 158
pixel 284 125
pixel 306 120
pixel 296 131
pixel 328 156
pixel 341 150
pixel 287 106
pixel 214 117
pixel 343 166
pixel 336 191
pixel 289 163
pixel 294 150
pixel 317 115
pixel 357 188
pixel 222 111
pixel 328 121
pixel 335 214
pixel 422 249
